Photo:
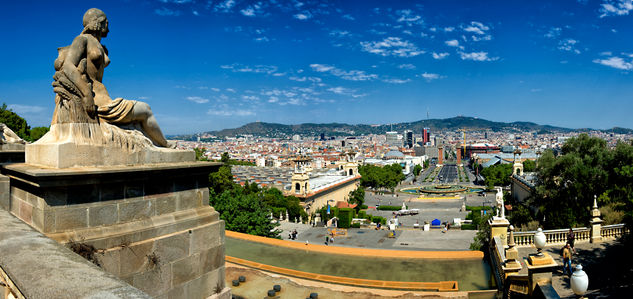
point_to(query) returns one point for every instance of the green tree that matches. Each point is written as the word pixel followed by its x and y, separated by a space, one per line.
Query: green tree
pixel 16 123
pixel 529 166
pixel 497 175
pixel 37 133
pixel 244 213
pixel 225 157
pixel 222 180
pixel 417 169
pixel 357 197
pixel 200 154
pixel 481 240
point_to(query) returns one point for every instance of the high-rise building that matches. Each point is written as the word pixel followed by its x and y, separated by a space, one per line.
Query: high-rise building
pixel 322 137
pixel 426 135
pixel 408 138
pixel 392 138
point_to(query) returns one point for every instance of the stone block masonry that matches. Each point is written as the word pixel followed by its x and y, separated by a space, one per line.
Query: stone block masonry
pixel 150 225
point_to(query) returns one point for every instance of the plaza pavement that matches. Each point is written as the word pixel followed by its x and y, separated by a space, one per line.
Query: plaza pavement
pixel 406 236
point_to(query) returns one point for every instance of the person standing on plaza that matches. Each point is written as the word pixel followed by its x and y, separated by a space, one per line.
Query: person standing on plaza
pixel 567 259
pixel 571 237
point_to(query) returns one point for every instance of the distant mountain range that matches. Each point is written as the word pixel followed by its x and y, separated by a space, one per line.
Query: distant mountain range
pixel 337 129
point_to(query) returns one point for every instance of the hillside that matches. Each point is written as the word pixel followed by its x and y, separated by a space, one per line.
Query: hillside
pixel 338 129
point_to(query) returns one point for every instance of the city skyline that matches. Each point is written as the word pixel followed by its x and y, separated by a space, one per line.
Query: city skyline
pixel 210 65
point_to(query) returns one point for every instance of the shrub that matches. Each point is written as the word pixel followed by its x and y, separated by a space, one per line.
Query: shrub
pixel 355 225
pixel 466 226
pixel 364 207
pixel 379 219
pixel 345 216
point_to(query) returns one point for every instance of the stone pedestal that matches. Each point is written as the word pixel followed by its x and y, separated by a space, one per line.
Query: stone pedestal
pixel 499 227
pixel 150 225
pixel 540 270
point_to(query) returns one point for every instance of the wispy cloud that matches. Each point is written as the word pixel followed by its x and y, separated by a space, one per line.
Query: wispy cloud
pixel 303 16
pixel 406 66
pixel 396 80
pixel 227 110
pixel 25 109
pixel 476 56
pixel 408 17
pixel 617 62
pixel 440 56
pixel 430 76
pixel 255 9
pixel 476 27
pixel 224 6
pixel 392 46
pixel 553 32
pixel 261 69
pixel 166 12
pixel 568 45
pixel 353 75
pixel 452 43
pixel 348 17
pixel 196 99
pixel 615 8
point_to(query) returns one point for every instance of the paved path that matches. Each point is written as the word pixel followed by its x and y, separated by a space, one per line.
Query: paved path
pixel 601 263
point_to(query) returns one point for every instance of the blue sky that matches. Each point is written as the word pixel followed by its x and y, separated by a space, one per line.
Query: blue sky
pixel 207 65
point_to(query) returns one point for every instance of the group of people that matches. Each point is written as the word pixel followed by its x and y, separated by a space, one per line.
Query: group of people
pixel 329 239
pixel 568 251
pixel 292 235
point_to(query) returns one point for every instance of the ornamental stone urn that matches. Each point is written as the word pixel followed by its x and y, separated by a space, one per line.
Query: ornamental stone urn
pixel 539 241
pixel 579 281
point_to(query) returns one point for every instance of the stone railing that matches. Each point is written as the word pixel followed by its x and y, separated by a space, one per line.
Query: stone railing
pixel 36 267
pixel 612 231
pixel 498 258
pixel 553 236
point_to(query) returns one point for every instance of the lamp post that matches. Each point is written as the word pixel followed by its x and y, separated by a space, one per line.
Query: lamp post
pixel 579 281
pixel 539 241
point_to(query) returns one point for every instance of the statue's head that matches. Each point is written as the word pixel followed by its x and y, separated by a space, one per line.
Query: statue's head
pixel 95 21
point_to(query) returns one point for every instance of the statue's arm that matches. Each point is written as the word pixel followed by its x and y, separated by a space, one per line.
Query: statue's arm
pixel 71 68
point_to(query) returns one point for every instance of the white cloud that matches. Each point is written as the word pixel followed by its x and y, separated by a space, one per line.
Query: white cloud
pixel 553 32
pixel 430 76
pixel 477 56
pixel 353 75
pixel 215 89
pixel 198 100
pixel 449 29
pixel 568 45
pixel 341 90
pixel 536 90
pixel 476 27
pixel 392 46
pixel 348 17
pixel 226 110
pixel 339 33
pixel 25 109
pixel 406 66
pixel 616 8
pixel 224 6
pixel 396 80
pixel 250 98
pixel 440 56
pixel 616 62
pixel 452 43
pixel 261 69
pixel 304 79
pixel 303 16
pixel 408 17
pixel 254 9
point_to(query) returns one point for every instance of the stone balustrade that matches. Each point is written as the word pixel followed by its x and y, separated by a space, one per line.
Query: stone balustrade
pixel 559 236
pixel 612 231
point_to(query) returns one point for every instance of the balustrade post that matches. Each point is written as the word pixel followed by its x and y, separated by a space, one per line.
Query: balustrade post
pixel 596 223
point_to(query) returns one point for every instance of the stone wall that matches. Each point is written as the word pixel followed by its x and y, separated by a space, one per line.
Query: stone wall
pixel 35 267
pixel 150 225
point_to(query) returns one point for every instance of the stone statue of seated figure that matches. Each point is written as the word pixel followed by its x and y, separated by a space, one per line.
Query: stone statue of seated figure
pixel 78 79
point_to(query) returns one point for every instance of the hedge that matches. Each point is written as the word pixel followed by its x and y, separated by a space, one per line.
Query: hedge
pixel 345 216
pixel 469 227
pixel 355 225
pixel 389 208
pixel 379 219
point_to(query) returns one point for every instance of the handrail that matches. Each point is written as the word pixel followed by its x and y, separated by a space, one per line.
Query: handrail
pixel 559 236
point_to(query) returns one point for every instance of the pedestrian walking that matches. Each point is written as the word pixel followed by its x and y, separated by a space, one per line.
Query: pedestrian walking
pixel 567 260
pixel 571 238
